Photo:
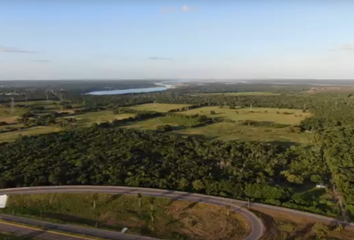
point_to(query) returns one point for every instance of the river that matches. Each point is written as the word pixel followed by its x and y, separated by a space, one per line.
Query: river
pixel 161 87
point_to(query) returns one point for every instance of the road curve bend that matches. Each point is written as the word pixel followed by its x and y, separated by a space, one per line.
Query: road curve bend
pixel 257 227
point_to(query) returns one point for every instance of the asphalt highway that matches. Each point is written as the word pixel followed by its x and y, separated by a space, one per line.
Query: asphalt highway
pixel 31 232
pixel 59 231
pixel 257 227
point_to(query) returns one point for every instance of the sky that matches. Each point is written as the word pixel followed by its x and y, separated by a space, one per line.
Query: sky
pixel 189 39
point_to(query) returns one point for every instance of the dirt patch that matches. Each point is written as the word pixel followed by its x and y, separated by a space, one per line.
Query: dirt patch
pixel 70 111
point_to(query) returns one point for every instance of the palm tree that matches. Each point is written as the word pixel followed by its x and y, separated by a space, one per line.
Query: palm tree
pixel 94 198
pixel 152 201
pixel 139 199
pixel 152 217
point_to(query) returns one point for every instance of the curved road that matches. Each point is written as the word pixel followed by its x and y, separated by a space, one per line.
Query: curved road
pixel 257 227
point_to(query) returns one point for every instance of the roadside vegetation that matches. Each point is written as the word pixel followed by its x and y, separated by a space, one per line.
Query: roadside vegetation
pixel 6 236
pixel 149 216
pixel 280 225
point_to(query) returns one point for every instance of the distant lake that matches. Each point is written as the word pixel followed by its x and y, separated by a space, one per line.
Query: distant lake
pixel 132 90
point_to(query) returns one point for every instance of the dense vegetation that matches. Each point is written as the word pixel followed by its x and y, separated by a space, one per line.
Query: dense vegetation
pixel 113 156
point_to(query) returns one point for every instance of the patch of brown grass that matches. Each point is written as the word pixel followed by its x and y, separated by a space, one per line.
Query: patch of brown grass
pixel 198 221
pixel 286 226
pixel 9 119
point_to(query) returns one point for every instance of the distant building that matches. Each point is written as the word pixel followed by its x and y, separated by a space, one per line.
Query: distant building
pixel 320 185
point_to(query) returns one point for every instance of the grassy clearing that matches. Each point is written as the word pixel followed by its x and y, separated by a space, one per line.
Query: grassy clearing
pixel 89 118
pixel 232 131
pixel 12 136
pixel 280 225
pixel 256 114
pixel 240 94
pixel 7 116
pixel 171 219
pixel 83 120
pixel 158 107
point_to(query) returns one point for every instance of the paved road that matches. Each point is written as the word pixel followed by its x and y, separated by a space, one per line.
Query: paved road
pixel 257 227
pixel 34 232
pixel 57 231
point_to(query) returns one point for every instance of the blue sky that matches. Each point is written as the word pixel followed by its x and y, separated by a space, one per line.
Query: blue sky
pixel 121 39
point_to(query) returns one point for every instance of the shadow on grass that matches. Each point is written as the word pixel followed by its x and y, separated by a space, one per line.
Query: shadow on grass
pixel 272 231
pixel 285 143
pixel 302 232
pixel 190 206
pixel 113 198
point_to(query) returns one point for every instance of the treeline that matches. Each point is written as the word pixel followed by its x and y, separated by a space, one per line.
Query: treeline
pixel 182 109
pixel 110 156
pixel 305 102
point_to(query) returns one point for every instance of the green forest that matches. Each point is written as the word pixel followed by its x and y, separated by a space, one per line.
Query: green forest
pixel 108 154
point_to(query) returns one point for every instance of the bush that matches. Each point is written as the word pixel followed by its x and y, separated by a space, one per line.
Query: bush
pixel 316 178
pixel 164 128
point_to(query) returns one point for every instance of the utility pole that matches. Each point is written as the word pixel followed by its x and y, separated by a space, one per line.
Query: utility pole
pixel 12 105
pixel 47 95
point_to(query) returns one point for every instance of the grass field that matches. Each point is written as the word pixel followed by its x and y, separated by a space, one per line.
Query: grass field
pixel 89 118
pixel 231 131
pixel 240 94
pixel 170 218
pixel 256 114
pixel 234 131
pixel 83 120
pixel 12 136
pixel 160 107
pixel 7 116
